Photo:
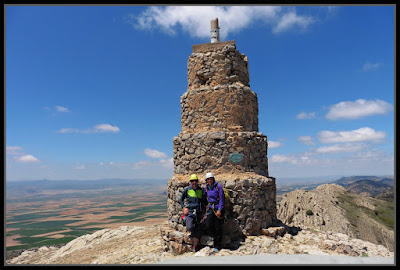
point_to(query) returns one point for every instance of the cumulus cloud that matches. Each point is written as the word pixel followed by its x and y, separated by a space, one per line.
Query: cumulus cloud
pixel 69 130
pixel 61 109
pixel 167 163
pixel 292 159
pixel 371 66
pixel 290 20
pixel 273 144
pixel 307 140
pixel 358 109
pixel 195 20
pixel 163 160
pixel 101 128
pixel 19 155
pixel 304 115
pixel 154 153
pixel 340 148
pixel 358 135
pixel 116 164
pixel 370 162
pixel 284 158
pixel 279 158
pixel 27 159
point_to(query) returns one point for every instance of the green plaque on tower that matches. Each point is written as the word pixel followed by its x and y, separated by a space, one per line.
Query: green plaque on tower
pixel 236 158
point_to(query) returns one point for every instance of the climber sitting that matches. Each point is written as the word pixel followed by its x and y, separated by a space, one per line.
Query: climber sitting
pixel 193 211
pixel 214 218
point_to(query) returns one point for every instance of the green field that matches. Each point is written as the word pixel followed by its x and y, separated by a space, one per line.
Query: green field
pixel 32 215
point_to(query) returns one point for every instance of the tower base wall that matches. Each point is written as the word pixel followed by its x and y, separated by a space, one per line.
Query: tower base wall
pixel 250 208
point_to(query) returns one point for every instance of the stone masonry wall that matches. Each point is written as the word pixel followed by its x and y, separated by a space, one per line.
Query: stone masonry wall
pixel 223 107
pixel 208 151
pixel 219 64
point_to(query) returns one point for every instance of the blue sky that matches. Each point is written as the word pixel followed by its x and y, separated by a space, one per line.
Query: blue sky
pixel 94 91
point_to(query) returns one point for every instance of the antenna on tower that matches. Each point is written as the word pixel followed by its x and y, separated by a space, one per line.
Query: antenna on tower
pixel 214 31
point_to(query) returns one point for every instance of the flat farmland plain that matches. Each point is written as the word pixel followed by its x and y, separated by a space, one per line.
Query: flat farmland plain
pixel 40 213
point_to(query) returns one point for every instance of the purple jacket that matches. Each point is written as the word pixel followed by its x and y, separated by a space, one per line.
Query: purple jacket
pixel 215 196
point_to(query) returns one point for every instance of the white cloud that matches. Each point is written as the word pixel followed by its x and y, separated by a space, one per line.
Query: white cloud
pixel 61 109
pixel 283 158
pixel 19 155
pixel 273 144
pixel 195 20
pixel 101 128
pixel 358 135
pixel 307 140
pixel 340 148
pixel 304 115
pixel 154 153
pixel 358 109
pixel 292 159
pixel 371 162
pixel 163 162
pixel 290 20
pixel 115 164
pixel 26 159
pixel 371 66
pixel 69 130
pixel 167 163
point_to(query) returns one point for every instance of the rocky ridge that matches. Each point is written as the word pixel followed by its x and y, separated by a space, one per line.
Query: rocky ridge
pixel 331 207
pixel 142 245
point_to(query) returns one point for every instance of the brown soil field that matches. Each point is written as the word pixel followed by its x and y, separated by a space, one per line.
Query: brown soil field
pixel 50 234
pixel 55 236
pixel 10 240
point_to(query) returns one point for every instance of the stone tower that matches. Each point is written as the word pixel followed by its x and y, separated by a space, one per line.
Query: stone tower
pixel 219 134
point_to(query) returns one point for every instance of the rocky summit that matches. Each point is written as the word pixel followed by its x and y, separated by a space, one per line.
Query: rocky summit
pixel 331 207
pixel 142 245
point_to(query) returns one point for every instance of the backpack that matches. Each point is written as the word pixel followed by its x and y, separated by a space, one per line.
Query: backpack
pixel 226 194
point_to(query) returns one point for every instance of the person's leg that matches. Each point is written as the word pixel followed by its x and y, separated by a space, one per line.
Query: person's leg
pixel 218 233
pixel 193 227
pixel 209 222
pixel 196 234
pixel 190 224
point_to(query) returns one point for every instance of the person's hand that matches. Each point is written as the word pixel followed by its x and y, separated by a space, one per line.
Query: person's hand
pixel 218 213
pixel 185 211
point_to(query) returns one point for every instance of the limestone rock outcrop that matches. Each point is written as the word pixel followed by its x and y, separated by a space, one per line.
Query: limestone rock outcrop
pixel 142 245
pixel 331 207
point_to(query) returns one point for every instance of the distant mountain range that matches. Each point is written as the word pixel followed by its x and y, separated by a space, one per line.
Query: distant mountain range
pixel 369 186
pixel 351 179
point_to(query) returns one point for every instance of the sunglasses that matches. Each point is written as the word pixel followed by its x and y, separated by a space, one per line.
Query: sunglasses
pixel 194 181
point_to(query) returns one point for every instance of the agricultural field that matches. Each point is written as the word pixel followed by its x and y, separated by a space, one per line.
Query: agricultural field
pixel 41 214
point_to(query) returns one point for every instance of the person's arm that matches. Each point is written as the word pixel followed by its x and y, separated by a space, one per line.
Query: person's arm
pixel 204 199
pixel 182 198
pixel 221 195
